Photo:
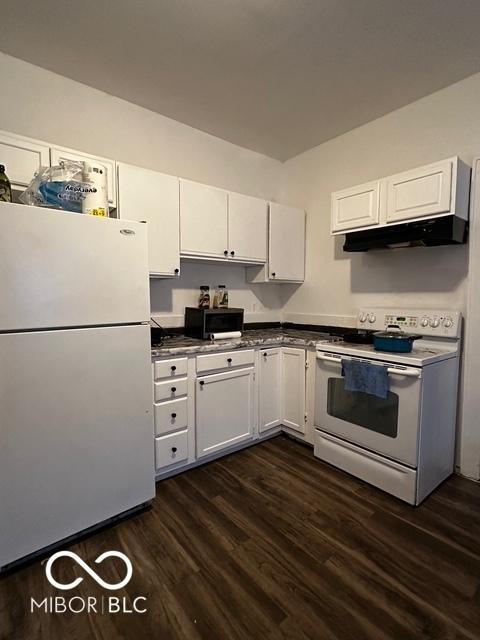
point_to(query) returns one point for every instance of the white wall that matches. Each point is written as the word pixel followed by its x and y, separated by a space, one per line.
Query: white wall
pixel 170 297
pixel 40 104
pixel 444 124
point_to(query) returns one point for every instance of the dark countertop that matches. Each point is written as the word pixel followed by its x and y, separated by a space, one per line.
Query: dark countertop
pixel 182 345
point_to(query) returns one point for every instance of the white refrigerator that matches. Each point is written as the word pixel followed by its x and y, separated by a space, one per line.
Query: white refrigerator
pixel 76 429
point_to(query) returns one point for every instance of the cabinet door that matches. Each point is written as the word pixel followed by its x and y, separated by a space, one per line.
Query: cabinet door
pixel 203 220
pixel 421 192
pixel 286 243
pixel 224 410
pixel 293 396
pixel 356 207
pixel 247 228
pixel 57 154
pixel 22 158
pixel 270 388
pixel 151 197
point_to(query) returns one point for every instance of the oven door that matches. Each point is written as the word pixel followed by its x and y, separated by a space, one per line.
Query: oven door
pixel 388 426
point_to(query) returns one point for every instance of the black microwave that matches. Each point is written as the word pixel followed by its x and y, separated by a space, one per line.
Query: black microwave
pixel 200 323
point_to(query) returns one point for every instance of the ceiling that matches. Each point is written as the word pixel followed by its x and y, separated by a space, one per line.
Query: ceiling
pixel 276 76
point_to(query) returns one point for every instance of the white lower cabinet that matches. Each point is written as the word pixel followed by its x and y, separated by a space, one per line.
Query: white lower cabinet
pixel 293 388
pixel 210 403
pixel 269 389
pixel 224 410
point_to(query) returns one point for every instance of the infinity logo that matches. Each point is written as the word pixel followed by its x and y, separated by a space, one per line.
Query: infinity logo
pixel 93 574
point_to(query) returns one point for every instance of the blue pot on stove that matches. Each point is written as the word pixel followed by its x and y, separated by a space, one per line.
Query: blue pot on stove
pixel 394 340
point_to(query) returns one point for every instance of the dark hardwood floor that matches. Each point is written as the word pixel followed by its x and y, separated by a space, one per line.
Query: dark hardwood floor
pixel 271 543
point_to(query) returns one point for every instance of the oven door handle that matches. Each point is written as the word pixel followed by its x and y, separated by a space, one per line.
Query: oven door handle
pixel 409 372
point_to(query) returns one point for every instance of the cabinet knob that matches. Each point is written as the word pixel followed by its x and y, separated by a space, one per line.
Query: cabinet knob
pixel 232 253
pixel 177 271
pixel 173 367
pixel 225 253
pixel 273 274
pixel 265 354
pixel 229 360
pixel 174 415
pixel 174 389
pixel 174 449
pixel 201 383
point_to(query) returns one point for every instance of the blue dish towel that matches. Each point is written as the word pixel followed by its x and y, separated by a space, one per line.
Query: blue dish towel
pixel 365 377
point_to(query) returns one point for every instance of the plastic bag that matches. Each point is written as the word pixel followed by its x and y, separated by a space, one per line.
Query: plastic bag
pixel 59 187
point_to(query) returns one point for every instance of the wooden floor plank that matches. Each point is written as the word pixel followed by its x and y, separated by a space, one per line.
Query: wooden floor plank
pixel 271 543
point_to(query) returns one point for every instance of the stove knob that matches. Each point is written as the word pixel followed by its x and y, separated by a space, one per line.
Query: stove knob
pixel 424 321
pixel 372 317
pixel 447 323
pixel 434 322
pixel 362 317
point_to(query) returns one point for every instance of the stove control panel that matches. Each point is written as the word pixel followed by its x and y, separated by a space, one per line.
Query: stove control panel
pixel 427 322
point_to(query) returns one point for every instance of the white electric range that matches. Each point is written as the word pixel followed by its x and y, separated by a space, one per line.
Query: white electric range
pixel 404 443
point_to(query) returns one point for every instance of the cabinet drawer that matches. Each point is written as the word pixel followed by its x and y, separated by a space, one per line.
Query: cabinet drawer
pixel 169 389
pixel 226 360
pixel 171 449
pixel 170 416
pixel 170 368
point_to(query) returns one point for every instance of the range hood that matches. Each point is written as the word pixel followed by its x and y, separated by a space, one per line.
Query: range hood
pixel 426 233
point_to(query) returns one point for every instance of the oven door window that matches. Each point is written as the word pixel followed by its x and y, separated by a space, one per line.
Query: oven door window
pixel 367 411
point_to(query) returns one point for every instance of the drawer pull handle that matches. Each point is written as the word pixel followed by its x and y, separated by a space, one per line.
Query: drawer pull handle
pixel 174 449
pixel 273 274
pixel 174 415
pixel 232 253
pixel 229 360
pixel 225 253
pixel 174 389
pixel 177 271
pixel 201 383
pixel 173 368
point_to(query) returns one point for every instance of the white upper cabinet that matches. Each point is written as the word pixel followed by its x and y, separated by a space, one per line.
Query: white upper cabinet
pixel 434 190
pixel 203 220
pixel 247 228
pixel 57 154
pixel 422 192
pixel 286 247
pixel 152 197
pixel 356 207
pixel 22 158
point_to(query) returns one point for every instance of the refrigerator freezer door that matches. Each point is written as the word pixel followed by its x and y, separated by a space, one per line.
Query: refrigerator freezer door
pixel 62 269
pixel 76 432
